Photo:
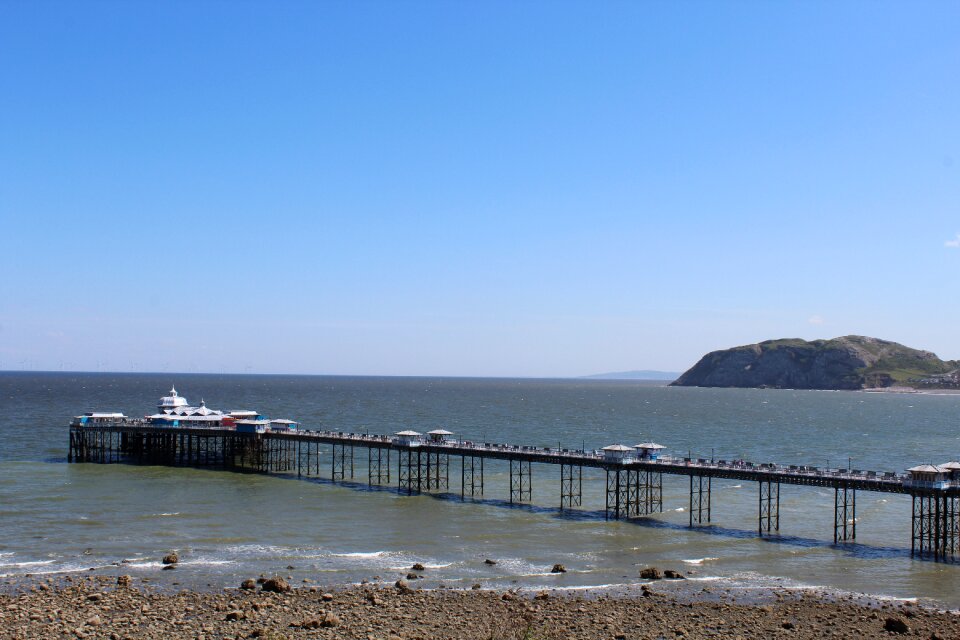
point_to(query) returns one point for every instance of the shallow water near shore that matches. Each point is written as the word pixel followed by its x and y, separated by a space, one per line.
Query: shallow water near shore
pixel 58 518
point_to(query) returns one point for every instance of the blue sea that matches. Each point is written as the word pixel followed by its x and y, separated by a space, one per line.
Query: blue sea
pixel 60 519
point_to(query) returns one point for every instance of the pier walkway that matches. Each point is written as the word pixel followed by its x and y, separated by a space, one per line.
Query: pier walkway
pixel 634 481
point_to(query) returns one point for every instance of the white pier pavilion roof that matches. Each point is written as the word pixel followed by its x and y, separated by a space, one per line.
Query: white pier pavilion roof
pixel 172 401
pixel 925 468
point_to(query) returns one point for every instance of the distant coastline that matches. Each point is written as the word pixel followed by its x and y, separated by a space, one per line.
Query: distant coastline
pixel 645 374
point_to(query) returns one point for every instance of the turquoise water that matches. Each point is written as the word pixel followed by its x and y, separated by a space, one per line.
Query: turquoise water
pixel 57 518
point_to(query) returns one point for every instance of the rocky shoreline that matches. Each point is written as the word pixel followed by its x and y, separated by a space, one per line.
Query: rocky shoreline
pixel 120 608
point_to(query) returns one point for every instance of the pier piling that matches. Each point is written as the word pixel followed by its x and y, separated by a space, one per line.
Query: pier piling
pixel 769 513
pixel 378 466
pixel 520 489
pixel 571 486
pixel 844 514
pixel 471 476
pixel 700 492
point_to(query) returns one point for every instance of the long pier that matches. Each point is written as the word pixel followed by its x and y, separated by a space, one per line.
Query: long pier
pixel 634 487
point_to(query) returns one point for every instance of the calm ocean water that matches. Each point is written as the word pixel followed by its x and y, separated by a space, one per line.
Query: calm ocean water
pixel 57 517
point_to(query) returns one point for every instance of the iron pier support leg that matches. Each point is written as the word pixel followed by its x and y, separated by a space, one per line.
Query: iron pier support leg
pixel 409 475
pixel 644 493
pixel 945 511
pixel 631 498
pixel 374 465
pixel 429 471
pixel 952 524
pixel 338 456
pixel 699 488
pixel 613 493
pixel 471 476
pixel 937 526
pixel 769 512
pixel 419 470
pixel 571 486
pixel 853 514
pixel 914 523
pixel 629 493
pixel 520 490
pixel 844 514
pixel 438 470
pixel 649 492
pixel 618 491
pixel 443 471
pixel 710 499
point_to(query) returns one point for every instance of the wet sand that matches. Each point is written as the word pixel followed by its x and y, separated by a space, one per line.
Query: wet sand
pixel 99 607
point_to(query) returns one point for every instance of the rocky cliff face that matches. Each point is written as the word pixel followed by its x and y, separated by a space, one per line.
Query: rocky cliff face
pixel 850 362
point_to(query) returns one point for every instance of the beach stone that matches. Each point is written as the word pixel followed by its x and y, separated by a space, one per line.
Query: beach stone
pixel 507 596
pixel 476 586
pixel 786 624
pixel 673 575
pixel 489 561
pixel 330 620
pixel 94 621
pixel 412 576
pixel 558 568
pixel 541 595
pixel 169 567
pixel 309 623
pixel 249 584
pixel 402 586
pixel 326 597
pixel 651 573
pixel 896 625
pixel 171 558
pixel 276 585
pixel 123 581
pixel 235 615
pixel 417 566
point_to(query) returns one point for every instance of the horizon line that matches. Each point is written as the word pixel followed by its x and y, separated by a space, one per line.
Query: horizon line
pixel 347 375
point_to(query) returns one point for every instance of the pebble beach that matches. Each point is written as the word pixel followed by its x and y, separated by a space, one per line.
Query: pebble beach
pixel 120 608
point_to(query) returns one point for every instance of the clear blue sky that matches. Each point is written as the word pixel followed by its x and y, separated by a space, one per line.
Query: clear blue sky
pixel 472 188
